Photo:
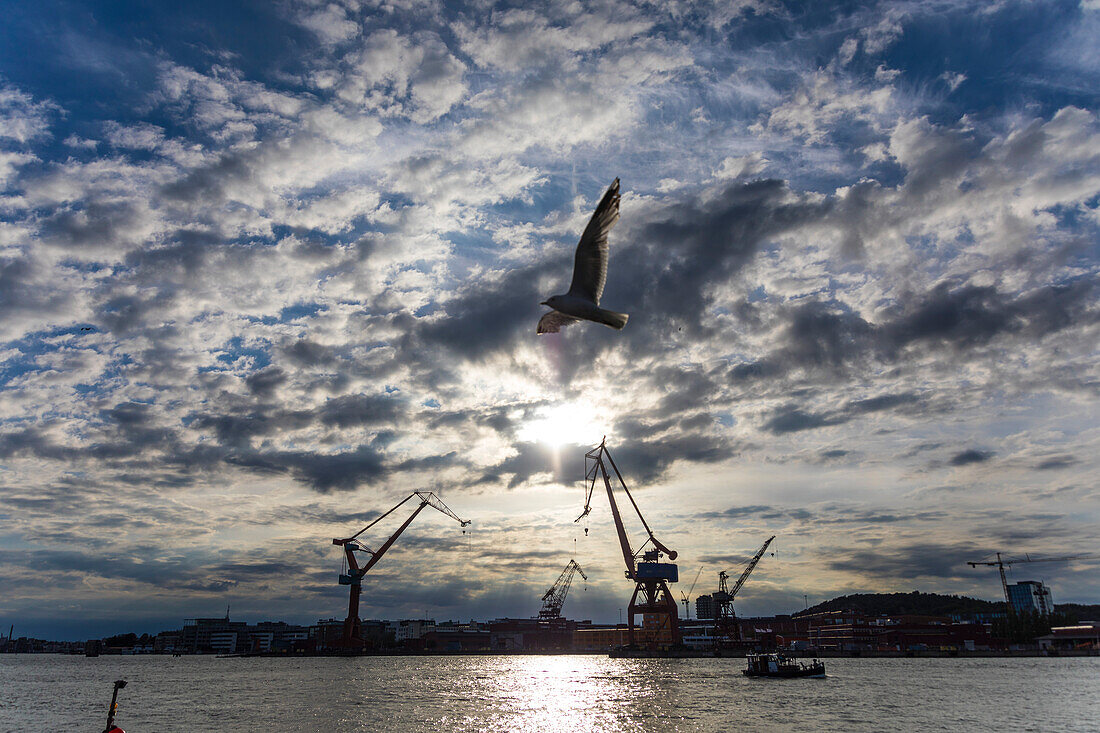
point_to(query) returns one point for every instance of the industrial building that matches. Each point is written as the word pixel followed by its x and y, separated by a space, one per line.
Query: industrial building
pixel 1081 637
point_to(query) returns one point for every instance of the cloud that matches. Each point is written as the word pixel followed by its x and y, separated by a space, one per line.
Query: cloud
pixel 412 76
pixel 22 119
pixel 914 561
pixel 972 455
pixel 255 293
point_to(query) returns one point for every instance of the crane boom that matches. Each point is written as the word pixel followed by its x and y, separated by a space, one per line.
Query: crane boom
pixel 554 598
pixel 1000 563
pixel 751 566
pixel 686 597
pixel 726 619
pixel 1027 558
pixel 429 498
pixel 594 458
pixel 652 597
pixel 1004 580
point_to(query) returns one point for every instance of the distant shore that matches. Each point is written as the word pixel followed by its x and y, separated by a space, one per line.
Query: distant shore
pixel 867 654
pixel 697 654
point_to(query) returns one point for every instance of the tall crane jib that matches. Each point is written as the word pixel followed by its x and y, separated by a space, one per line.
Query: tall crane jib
pixel 652 597
pixel 554 598
pixel 352 636
pixel 1002 562
pixel 727 619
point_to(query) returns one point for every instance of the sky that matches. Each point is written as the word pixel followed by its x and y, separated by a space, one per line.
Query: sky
pixel 267 268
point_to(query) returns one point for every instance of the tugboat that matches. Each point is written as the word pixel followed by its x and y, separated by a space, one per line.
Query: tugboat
pixel 776 665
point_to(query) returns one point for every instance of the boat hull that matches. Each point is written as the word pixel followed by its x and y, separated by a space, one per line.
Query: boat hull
pixel 776 665
pixel 813 673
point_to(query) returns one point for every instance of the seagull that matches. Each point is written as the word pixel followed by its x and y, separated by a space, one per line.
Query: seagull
pixel 582 302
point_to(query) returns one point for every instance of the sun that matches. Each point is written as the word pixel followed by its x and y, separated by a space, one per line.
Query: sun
pixel 562 424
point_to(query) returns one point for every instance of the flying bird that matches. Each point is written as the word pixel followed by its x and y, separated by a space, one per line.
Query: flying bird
pixel 582 302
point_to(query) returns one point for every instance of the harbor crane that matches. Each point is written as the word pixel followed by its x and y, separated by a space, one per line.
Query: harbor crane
pixel 727 618
pixel 353 628
pixel 553 599
pixel 651 576
pixel 685 598
pixel 1001 563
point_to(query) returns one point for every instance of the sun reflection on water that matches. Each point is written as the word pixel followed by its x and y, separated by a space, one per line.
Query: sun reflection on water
pixel 568 693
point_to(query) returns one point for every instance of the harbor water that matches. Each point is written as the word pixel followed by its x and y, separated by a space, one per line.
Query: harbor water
pixel 544 693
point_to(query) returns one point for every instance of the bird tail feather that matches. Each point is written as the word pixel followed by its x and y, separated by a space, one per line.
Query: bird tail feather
pixel 611 318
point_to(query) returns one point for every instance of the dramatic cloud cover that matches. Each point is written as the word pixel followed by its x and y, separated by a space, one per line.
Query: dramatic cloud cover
pixel 265 268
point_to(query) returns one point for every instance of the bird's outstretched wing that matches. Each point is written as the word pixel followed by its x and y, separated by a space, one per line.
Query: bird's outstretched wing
pixel 590 265
pixel 554 321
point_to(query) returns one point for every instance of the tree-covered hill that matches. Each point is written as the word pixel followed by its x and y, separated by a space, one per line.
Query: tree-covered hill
pixel 923 604
pixel 934 604
pixel 1079 611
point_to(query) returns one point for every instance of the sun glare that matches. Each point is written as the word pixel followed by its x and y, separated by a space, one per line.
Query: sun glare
pixel 561 424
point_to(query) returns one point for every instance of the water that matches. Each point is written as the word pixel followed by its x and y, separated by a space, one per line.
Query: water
pixel 555 693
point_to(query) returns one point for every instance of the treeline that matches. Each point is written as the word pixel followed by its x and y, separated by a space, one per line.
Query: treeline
pixel 1026 627
pixel 1078 612
pixel 915 603
pixel 935 604
pixel 127 641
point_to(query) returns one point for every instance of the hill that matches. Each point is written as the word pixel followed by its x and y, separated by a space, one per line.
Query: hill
pixel 1077 612
pixel 934 604
pixel 917 603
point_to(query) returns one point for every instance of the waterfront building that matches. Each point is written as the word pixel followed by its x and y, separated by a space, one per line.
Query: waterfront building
pixel 224 642
pixel 705 607
pixel 272 636
pixel 1082 637
pixel 409 629
pixel 326 633
pixel 599 638
pixel 654 631
pixel 168 642
pixel 197 633
pixel 261 641
pixel 1030 596
pixel 513 634
pixel 377 634
pixel 531 634
pixel 839 631
pixel 457 639
pixel 697 634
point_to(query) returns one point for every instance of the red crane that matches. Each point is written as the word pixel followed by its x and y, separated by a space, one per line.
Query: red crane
pixel 650 576
pixel 354 577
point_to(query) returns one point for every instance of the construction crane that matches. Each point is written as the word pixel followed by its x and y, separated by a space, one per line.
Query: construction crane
pixel 1001 563
pixel 650 575
pixel 553 599
pixel 726 620
pixel 685 598
pixel 352 637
